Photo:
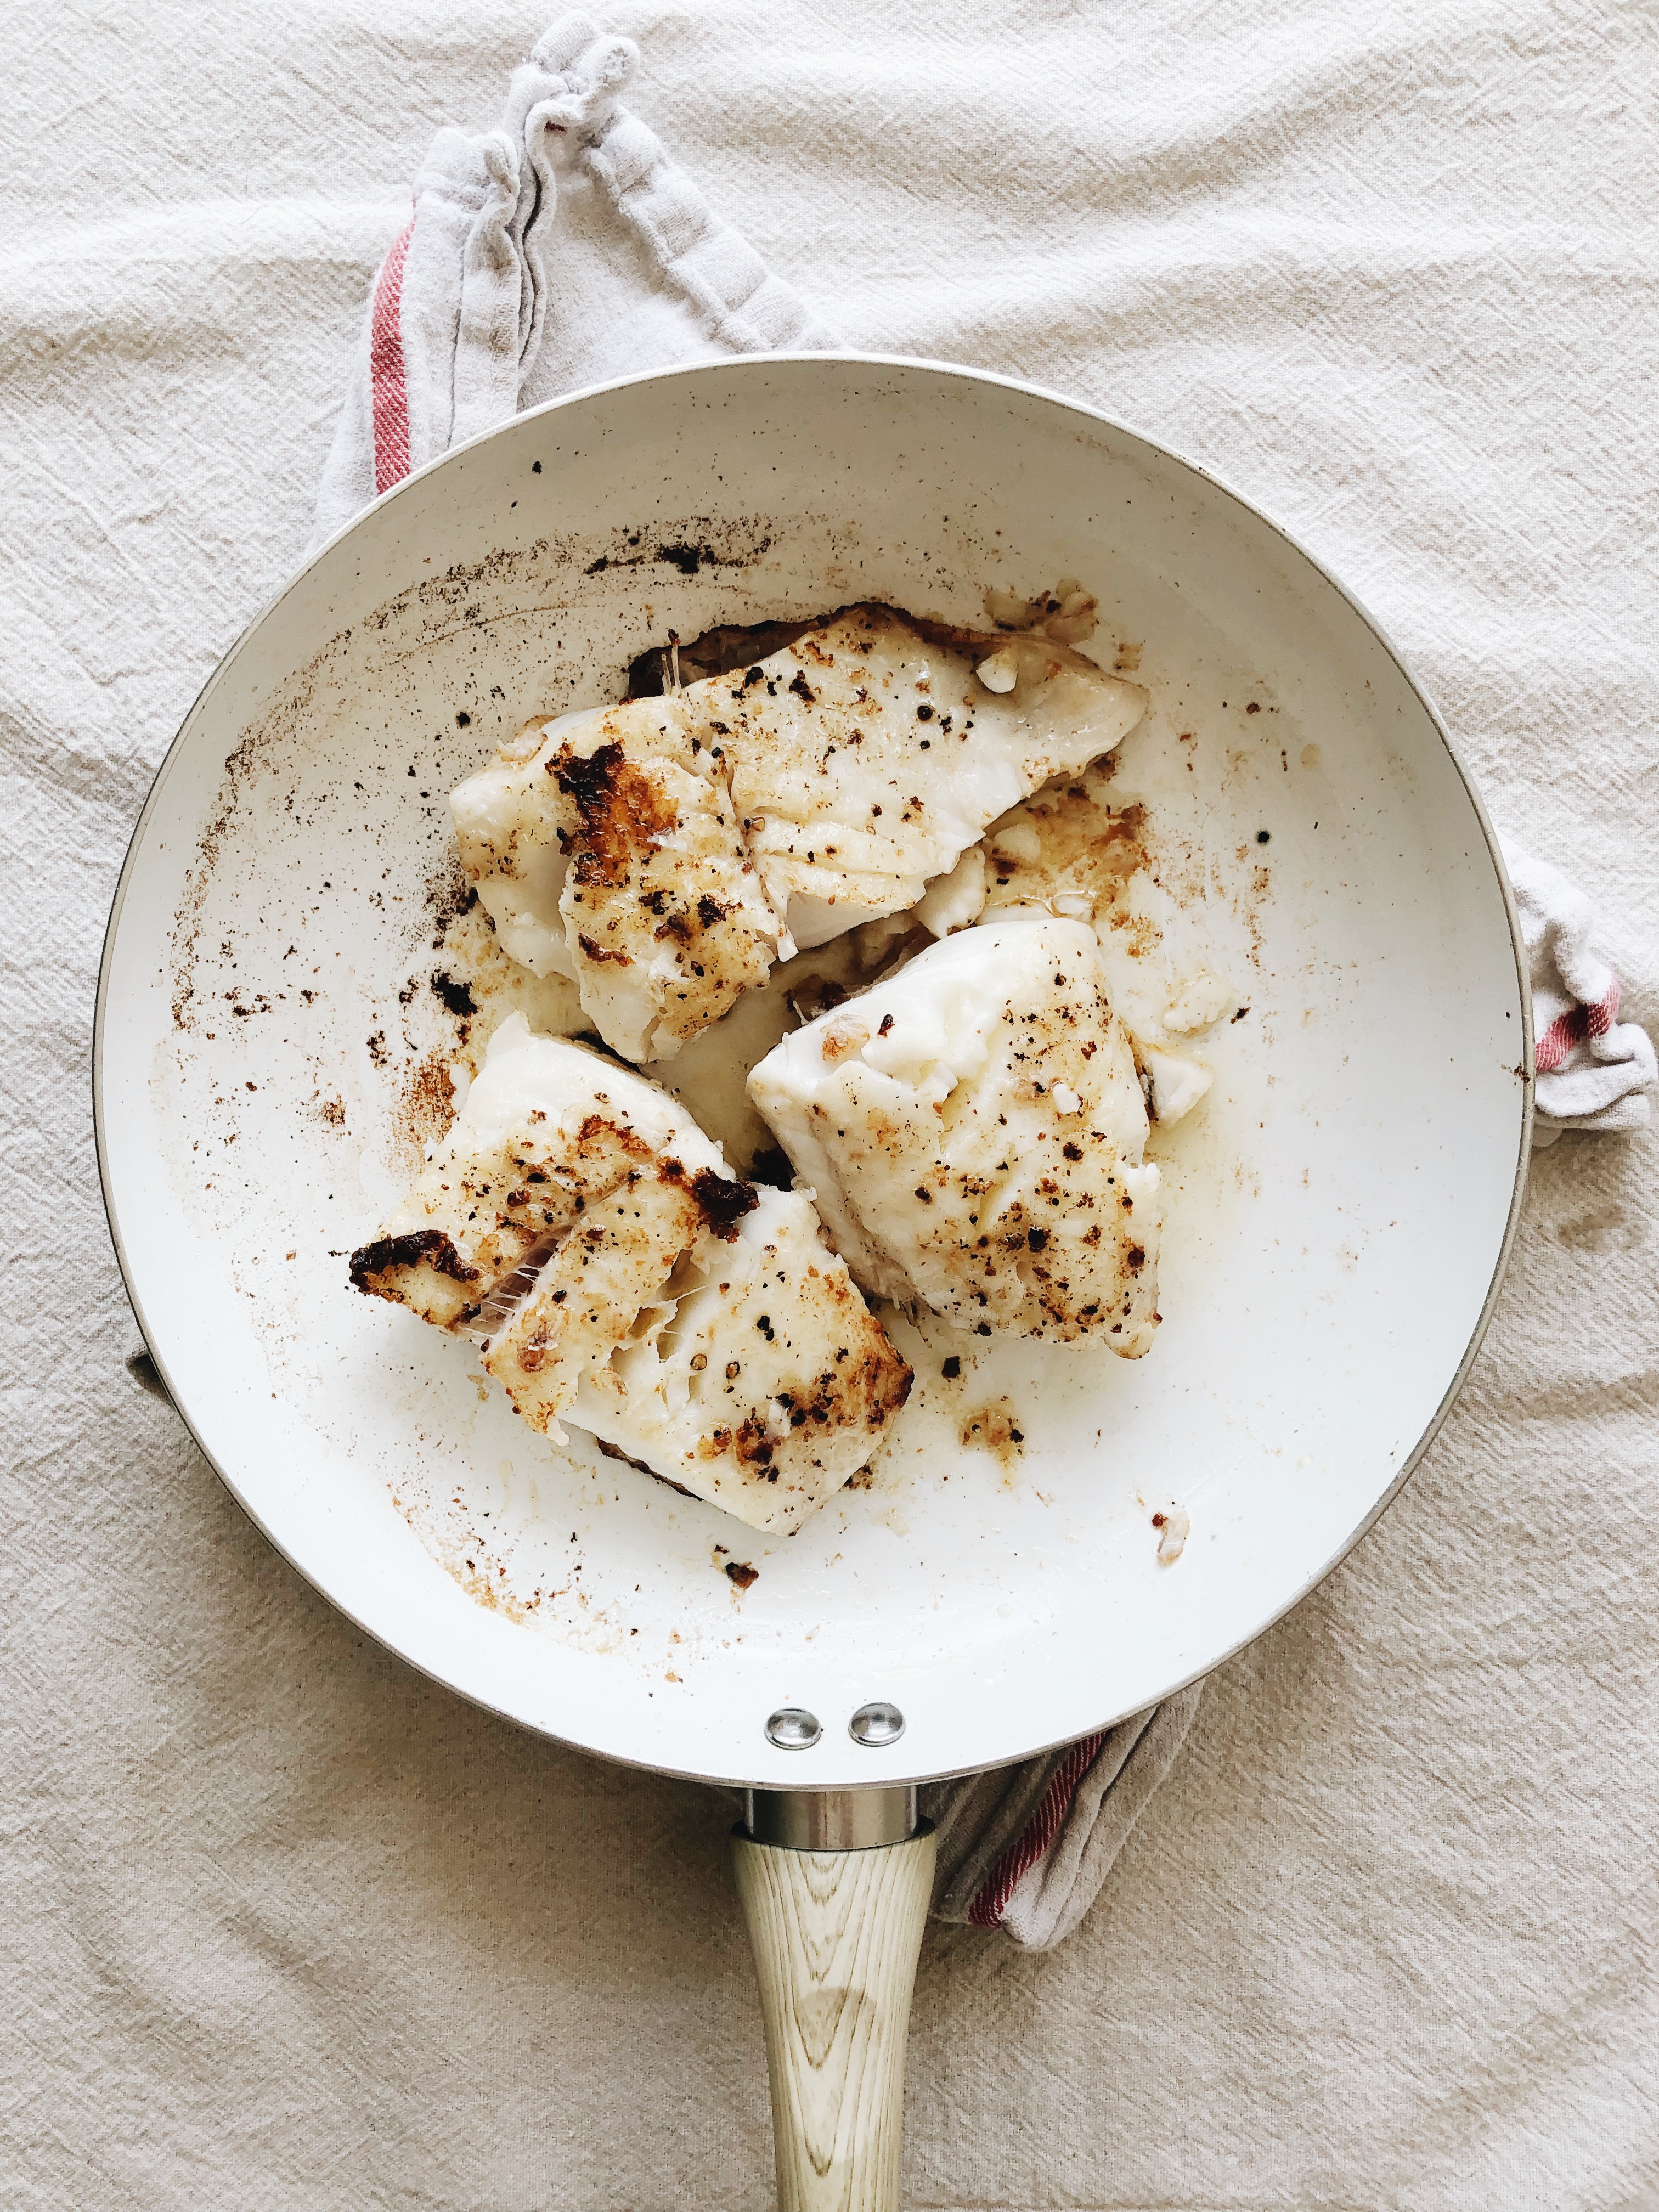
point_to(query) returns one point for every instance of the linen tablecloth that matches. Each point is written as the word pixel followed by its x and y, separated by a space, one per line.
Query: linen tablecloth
pixel 284 1926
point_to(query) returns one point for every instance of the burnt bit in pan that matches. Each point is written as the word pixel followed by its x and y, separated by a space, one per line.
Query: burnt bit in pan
pixel 457 996
pixel 716 652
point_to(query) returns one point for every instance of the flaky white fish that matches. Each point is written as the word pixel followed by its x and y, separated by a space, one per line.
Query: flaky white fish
pixel 769 1382
pixel 865 757
pixel 1079 848
pixel 666 853
pixel 548 1131
pixel 580 1226
pixel 604 846
pixel 974 1129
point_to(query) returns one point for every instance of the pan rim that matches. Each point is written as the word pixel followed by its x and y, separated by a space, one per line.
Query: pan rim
pixel 877 361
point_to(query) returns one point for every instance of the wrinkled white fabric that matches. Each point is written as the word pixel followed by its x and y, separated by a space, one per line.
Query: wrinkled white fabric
pixel 286 1929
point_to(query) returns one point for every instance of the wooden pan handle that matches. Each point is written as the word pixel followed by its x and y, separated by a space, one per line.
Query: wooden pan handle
pixel 836 1936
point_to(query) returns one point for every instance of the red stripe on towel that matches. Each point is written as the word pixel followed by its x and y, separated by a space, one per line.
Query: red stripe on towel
pixel 1038 1833
pixel 1573 1027
pixel 388 389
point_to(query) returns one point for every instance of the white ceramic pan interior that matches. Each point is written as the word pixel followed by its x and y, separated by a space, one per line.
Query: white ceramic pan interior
pixel 273 1052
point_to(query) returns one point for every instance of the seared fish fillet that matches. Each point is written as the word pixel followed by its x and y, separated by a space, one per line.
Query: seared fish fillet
pixel 1069 850
pixel 579 1225
pixel 973 1128
pixel 603 848
pixel 769 1381
pixel 865 759
pixel 666 853
pixel 548 1130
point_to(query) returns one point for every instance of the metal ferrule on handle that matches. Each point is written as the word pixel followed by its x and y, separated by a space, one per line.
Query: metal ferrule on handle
pixel 831 1819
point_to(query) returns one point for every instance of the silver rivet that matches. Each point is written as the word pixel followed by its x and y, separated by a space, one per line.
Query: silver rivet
pixel 792 1728
pixel 876 1724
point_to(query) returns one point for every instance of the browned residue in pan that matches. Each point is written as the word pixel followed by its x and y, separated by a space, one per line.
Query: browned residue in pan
pixel 426 1110
pixel 995 1428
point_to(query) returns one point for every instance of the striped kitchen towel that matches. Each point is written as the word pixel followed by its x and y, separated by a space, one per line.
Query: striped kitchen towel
pixel 1594 1072
pixel 562 249
pixel 565 248
pixel 1026 1848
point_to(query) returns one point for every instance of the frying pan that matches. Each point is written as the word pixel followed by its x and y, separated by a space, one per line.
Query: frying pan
pixel 283 1004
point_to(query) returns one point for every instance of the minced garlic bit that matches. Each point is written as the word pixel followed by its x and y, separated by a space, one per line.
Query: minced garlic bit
pixel 1174 1526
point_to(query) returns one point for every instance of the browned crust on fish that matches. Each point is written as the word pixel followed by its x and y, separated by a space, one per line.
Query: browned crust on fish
pixel 733 646
pixel 622 808
pixel 721 1200
pixel 430 1248
pixel 422 1269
